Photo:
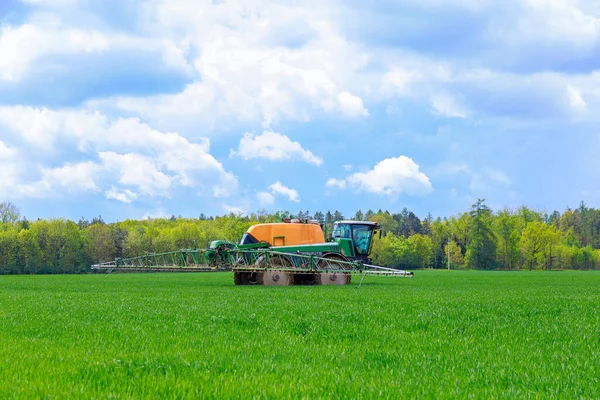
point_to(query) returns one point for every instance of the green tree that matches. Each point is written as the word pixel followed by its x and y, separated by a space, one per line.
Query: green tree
pixel 421 247
pixel 457 259
pixel 187 235
pixel 481 248
pixel 508 252
pixel 539 242
pixel 9 213
pixel 426 224
pixel 386 221
pixel 440 234
pixel 30 252
pixel 9 251
pixel 358 216
pixel 102 242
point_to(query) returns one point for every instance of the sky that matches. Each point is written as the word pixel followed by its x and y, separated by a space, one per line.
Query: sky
pixel 143 109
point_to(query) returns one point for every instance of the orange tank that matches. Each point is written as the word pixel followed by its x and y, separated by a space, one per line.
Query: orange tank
pixel 287 234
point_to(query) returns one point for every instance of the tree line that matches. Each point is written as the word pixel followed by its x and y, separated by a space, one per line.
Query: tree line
pixel 508 239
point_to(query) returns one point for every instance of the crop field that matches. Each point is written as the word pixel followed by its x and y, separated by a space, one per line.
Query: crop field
pixel 439 335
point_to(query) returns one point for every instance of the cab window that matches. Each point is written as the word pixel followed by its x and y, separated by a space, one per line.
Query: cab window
pixel 361 235
pixel 341 231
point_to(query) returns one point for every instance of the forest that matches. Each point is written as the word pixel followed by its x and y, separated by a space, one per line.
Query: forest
pixel 479 238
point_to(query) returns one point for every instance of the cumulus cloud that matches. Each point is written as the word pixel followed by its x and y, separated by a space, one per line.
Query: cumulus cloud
pixel 270 62
pixel 75 177
pixel 6 152
pixel 127 151
pixel 553 22
pixel 70 178
pixel 251 62
pixel 124 196
pixel 258 62
pixel 237 210
pixel 22 46
pixel 575 99
pixel 273 146
pixel 278 189
pixel 481 180
pixel 10 165
pixel 391 176
pixel 446 105
pixel 339 183
pixel 265 198
pixel 137 171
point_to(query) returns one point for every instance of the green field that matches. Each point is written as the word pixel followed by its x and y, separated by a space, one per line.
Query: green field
pixel 439 335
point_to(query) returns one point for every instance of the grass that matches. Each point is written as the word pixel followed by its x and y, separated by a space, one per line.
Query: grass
pixel 439 335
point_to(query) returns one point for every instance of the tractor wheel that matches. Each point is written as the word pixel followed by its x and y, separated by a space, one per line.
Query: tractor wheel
pixel 277 278
pixel 247 278
pixel 332 278
pixel 239 278
pixel 274 276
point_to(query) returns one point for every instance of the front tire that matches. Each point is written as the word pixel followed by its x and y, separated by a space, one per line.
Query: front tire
pixel 332 278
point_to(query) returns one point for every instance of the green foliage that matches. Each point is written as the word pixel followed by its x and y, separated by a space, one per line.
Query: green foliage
pixel 440 335
pixel 9 213
pixel 398 252
pixel 388 224
pixel 481 247
pixel 457 260
pixel 508 240
pixel 421 248
pixel 538 242
pixel 506 227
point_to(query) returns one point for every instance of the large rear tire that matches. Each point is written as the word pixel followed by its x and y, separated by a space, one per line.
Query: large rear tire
pixel 277 278
pixel 332 278
pixel 247 278
pixel 274 275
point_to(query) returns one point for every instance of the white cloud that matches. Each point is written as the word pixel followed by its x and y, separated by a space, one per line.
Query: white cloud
pixel 125 196
pixel 139 171
pixel 220 191
pixel 158 214
pixel 131 153
pixel 277 189
pixel 237 210
pixel 457 91
pixel 399 79
pixel 259 61
pixel 481 180
pixel 351 105
pixel 339 183
pixel 73 177
pixel 291 194
pixel 446 105
pixel 273 146
pixel 391 176
pixel 6 151
pixel 51 2
pixel 575 100
pixel 10 171
pixel 70 178
pixel 265 198
pixel 22 46
pixel 551 22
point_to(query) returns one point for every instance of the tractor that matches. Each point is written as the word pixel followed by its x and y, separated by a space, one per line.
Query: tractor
pixel 295 240
pixel 276 254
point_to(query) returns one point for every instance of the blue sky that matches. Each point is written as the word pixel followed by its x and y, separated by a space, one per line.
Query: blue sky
pixel 138 109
